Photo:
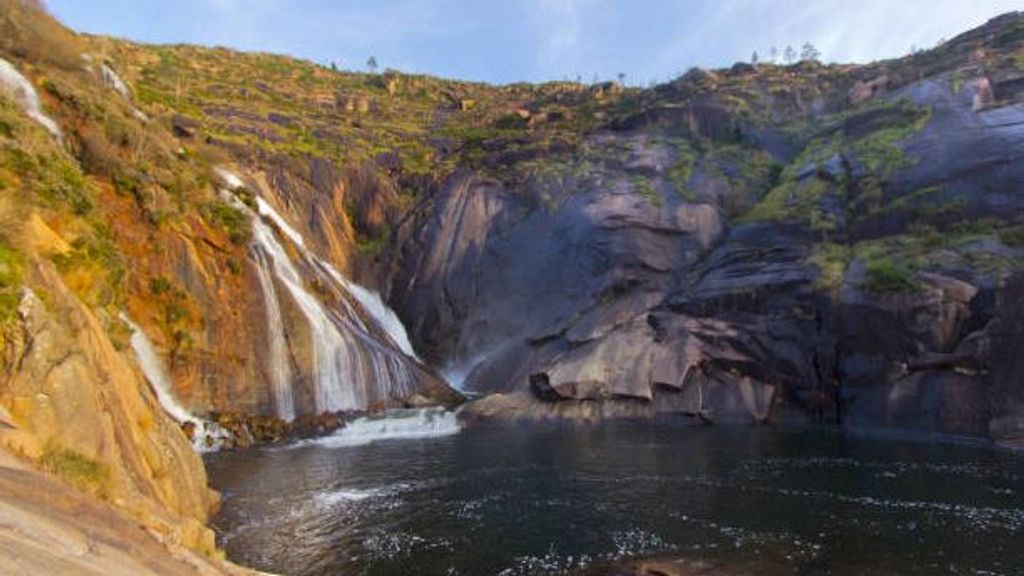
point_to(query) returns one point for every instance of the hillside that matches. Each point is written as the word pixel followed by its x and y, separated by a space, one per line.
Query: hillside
pixel 812 244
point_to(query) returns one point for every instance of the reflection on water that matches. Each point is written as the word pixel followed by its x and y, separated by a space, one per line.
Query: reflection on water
pixel 550 501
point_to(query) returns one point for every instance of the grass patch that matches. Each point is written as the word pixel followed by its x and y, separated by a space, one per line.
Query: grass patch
pixel 792 201
pixel 646 190
pixel 374 246
pixel 831 259
pixel 11 277
pixel 886 277
pixel 1012 236
pixel 81 471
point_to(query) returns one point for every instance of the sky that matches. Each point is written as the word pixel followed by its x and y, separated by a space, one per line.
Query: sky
pixel 504 41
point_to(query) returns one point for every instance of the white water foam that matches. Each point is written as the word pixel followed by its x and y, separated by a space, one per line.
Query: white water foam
pixel 331 351
pixel 344 496
pixel 374 305
pixel 233 181
pixel 392 425
pixel 267 211
pixel 208 435
pixel 110 78
pixel 353 367
pixel 19 89
pixel 277 361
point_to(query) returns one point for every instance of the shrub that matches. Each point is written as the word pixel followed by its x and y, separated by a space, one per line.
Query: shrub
pixel 29 32
pixel 884 276
pixel 1012 236
pixel 230 219
pixel 159 285
pixel 10 283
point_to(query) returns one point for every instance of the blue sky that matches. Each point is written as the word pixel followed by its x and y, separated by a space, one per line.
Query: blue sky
pixel 535 40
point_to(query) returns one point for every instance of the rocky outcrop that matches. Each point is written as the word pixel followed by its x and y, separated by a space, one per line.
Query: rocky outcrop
pixel 640 303
pixel 1003 341
pixel 77 406
pixel 51 528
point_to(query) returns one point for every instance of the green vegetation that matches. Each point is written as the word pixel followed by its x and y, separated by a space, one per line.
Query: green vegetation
pixel 230 219
pixel 680 173
pixel 879 150
pixel 374 246
pixel 84 472
pixel 884 276
pixel 94 268
pixel 11 278
pixel 872 135
pixel 643 188
pixel 794 200
pixel 1013 236
pixel 831 259
pixel 27 31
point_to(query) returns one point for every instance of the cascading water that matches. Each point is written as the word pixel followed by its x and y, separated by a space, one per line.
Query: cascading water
pixel 374 305
pixel 392 425
pixel 352 369
pixel 279 366
pixel 110 78
pixel 267 211
pixel 331 353
pixel 19 89
pixel 353 364
pixel 207 435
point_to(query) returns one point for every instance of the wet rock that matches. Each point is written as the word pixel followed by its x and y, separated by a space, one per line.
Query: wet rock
pixel 312 425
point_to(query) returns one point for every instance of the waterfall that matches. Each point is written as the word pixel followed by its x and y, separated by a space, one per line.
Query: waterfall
pixel 352 368
pixel 110 78
pixel 19 89
pixel 374 305
pixel 331 353
pixel 278 362
pixel 267 211
pixel 392 425
pixel 207 435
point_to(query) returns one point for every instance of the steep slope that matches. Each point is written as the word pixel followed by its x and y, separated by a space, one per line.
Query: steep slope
pixel 118 240
pixel 51 528
pixel 810 244
pixel 804 243
pixel 799 244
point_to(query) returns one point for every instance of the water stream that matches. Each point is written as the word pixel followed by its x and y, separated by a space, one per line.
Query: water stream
pixel 206 435
pixel 361 352
pixel 16 86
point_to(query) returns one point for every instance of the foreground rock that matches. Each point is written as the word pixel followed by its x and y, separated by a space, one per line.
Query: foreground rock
pixel 76 406
pixel 47 527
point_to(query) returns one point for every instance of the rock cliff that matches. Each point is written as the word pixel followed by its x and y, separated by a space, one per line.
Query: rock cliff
pixel 805 244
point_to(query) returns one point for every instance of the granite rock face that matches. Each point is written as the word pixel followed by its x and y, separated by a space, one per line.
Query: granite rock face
pixel 610 299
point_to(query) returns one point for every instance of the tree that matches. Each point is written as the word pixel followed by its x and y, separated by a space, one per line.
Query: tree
pixel 809 52
pixel 789 55
pixel 774 54
pixel 334 66
pixel 754 57
pixel 371 64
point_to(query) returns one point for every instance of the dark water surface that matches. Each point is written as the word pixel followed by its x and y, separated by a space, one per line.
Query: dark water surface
pixel 550 501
